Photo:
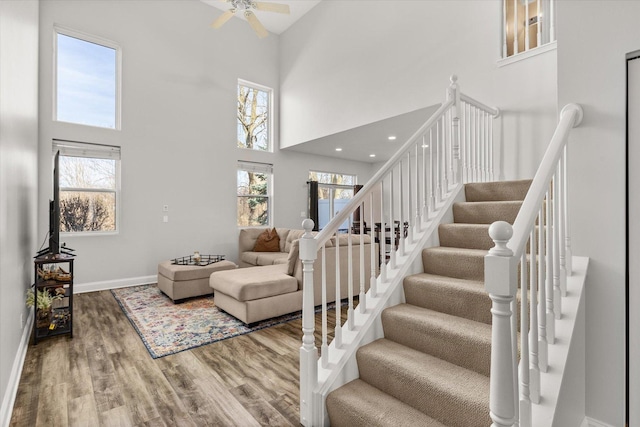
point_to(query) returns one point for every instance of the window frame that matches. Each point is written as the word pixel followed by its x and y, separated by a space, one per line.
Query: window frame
pixel 57 29
pixel 67 148
pixel 257 167
pixel 270 121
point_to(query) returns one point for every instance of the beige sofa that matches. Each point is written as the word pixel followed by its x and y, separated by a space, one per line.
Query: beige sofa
pixel 273 285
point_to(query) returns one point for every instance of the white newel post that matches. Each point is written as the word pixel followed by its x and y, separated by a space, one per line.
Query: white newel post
pixel 453 93
pixel 308 351
pixel 501 284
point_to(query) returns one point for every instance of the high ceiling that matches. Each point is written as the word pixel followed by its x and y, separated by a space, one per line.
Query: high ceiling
pixel 275 23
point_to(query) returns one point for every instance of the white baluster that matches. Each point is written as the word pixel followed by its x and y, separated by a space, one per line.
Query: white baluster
pixel 338 329
pixel 308 350
pixel 362 301
pixel 501 284
pixel 401 247
pixel 534 365
pixel 515 27
pixel 514 358
pixel 476 166
pixel 561 227
pixel 557 294
pixel 409 197
pixel 491 167
pixel 542 307
pixel 325 345
pixel 505 29
pixel 417 221
pixel 526 26
pixel 437 164
pixel 372 279
pixel 525 399
pixel 382 239
pixel 550 316
pixel 432 174
pixel 392 248
pixel 425 184
pixel 539 35
pixel 552 21
pixel 349 273
pixel 567 222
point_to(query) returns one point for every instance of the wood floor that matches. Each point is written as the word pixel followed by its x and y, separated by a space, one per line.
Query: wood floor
pixel 104 376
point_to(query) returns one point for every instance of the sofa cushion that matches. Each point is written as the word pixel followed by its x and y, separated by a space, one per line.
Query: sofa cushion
pixel 247 284
pixel 267 241
pixel 264 258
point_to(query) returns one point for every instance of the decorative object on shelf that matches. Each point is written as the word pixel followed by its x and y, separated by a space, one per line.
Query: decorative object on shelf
pixel 202 259
pixel 43 308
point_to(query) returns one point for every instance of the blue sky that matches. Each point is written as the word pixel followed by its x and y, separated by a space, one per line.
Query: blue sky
pixel 86 90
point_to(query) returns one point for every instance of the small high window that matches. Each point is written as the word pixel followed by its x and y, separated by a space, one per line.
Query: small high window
pixel 254 194
pixel 87 80
pixel 254 117
pixel 89 187
pixel 527 24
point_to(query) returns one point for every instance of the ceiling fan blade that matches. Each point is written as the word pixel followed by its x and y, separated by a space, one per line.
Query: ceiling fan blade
pixel 272 7
pixel 256 24
pixel 223 18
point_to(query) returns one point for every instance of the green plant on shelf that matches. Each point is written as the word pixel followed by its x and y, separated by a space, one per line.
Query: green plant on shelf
pixel 45 299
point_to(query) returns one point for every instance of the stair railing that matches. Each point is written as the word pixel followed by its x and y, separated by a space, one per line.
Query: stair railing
pixel 394 208
pixel 534 254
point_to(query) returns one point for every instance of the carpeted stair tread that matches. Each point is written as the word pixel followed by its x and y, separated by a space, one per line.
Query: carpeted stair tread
pixel 486 212
pixel 457 340
pixel 357 404
pixel 454 262
pixel 470 236
pixel 458 297
pixel 497 191
pixel 449 393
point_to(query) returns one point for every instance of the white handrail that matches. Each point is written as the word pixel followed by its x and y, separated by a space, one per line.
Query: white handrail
pixel 547 202
pixel 408 195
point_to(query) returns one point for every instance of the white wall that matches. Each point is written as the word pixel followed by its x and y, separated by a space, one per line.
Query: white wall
pixel 178 132
pixel 18 181
pixel 593 38
pixel 349 63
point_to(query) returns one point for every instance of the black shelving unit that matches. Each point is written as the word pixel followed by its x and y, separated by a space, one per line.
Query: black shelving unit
pixel 60 321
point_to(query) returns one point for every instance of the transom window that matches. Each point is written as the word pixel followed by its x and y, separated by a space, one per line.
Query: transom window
pixel 87 80
pixel 254 116
pixel 254 194
pixel 89 180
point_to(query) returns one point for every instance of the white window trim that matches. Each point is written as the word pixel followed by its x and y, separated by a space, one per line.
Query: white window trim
pixel 267 169
pixel 355 177
pixel 270 133
pixel 92 151
pixel 57 29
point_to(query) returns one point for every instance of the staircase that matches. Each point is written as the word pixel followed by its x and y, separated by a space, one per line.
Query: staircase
pixel 432 366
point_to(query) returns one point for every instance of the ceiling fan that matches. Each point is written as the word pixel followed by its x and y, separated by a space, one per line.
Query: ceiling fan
pixel 247 7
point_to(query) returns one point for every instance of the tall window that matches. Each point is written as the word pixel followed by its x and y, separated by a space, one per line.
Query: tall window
pixel 254 116
pixel 254 194
pixel 89 187
pixel 87 72
pixel 335 190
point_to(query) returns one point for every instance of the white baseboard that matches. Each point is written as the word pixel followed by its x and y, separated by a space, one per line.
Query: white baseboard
pixel 590 422
pixel 79 288
pixel 6 410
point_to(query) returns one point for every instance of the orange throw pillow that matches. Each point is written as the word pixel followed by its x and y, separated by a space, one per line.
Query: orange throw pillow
pixel 268 241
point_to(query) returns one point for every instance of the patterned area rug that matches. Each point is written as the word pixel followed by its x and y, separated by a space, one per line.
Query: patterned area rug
pixel 167 328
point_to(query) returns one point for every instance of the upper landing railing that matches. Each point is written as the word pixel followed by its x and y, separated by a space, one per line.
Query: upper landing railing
pixel 527 25
pixel 453 146
pixel 534 254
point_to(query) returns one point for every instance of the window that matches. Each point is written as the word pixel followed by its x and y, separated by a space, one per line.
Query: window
pixel 89 179
pixel 87 74
pixel 254 194
pixel 335 190
pixel 254 117
pixel 527 24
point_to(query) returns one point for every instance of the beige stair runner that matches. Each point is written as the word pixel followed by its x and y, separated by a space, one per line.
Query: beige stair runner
pixel 432 366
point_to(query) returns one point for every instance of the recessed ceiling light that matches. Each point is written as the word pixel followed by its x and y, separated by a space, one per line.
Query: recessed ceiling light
pixel 338 149
pixel 372 155
pixel 425 146
pixel 392 138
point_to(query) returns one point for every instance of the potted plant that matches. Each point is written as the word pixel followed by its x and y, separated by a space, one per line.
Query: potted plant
pixel 43 308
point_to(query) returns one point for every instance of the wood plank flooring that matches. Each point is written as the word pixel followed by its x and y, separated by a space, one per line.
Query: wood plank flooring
pixel 104 376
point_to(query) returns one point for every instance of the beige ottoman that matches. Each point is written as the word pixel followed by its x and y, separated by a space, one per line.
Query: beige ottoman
pixel 185 281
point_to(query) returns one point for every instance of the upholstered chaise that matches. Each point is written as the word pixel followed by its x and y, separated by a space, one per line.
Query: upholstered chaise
pixel 256 293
